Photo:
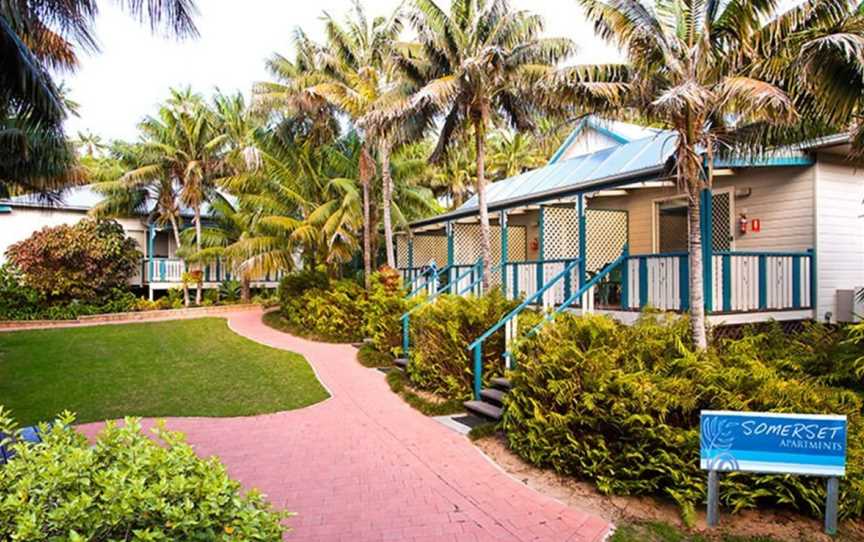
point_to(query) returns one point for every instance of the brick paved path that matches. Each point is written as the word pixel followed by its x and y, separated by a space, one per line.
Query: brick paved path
pixel 363 465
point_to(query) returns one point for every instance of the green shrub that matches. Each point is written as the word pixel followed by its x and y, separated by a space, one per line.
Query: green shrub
pixel 296 284
pixel 229 291
pixel 125 487
pixel 440 335
pixel 84 261
pixel 335 314
pixel 620 406
pixel 385 306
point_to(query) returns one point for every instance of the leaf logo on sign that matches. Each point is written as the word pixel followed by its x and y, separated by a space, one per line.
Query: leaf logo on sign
pixel 716 443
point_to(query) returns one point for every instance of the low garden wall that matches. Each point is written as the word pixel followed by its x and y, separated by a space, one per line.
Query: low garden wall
pixel 168 314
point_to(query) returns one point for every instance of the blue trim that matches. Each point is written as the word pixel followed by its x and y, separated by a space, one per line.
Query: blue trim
pixel 705 219
pixel 502 223
pixel 5 209
pixel 796 282
pixel 763 281
pixel 410 252
pixel 727 282
pixel 451 247
pixel 643 282
pixel 775 161
pixel 151 237
pixel 478 370
pixel 614 136
pixel 567 142
pixel 813 289
pixel 625 280
pixel 541 227
pixel 515 281
pixel 684 280
pixel 583 240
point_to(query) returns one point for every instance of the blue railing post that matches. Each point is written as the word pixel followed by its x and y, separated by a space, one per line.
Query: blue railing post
pixel 502 222
pixel 813 291
pixel 151 240
pixel 727 282
pixel 625 279
pixel 684 281
pixel 478 370
pixel 583 240
pixel 763 281
pixel 410 251
pixel 541 248
pixel 406 341
pixel 706 220
pixel 643 282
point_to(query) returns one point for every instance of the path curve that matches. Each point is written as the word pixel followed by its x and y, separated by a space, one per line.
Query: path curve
pixel 364 466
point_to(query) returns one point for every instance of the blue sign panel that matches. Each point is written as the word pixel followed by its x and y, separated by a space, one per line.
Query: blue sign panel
pixel 773 443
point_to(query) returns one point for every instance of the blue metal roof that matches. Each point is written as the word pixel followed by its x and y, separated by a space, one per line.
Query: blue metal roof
pixel 619 161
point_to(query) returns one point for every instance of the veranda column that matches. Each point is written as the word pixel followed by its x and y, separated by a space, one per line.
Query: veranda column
pixel 502 221
pixel 706 217
pixel 151 238
pixel 541 250
pixel 583 241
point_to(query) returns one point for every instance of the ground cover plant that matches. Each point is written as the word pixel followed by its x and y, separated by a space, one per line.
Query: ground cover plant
pixel 125 487
pixel 155 369
pixel 619 406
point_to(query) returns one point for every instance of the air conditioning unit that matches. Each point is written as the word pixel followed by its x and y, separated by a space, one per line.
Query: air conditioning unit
pixel 850 308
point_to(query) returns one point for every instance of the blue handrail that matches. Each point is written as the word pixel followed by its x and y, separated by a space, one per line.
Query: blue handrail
pixel 406 341
pixel 476 281
pixel 477 345
pixel 423 286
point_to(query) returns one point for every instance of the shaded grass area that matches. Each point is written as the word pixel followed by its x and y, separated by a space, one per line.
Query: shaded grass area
pixel 275 320
pixel 179 368
pixel 368 356
pixel 399 384
pixel 663 532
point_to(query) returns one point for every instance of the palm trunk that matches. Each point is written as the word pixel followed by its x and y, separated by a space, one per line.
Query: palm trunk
pixel 387 190
pixel 485 234
pixel 198 249
pixel 367 170
pixel 176 231
pixel 691 170
pixel 245 289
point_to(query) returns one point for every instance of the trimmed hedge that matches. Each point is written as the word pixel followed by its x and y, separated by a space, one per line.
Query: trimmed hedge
pixel 620 406
pixel 440 334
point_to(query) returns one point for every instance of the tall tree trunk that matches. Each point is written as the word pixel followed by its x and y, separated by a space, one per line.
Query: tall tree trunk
pixel 485 233
pixel 690 168
pixel 176 229
pixel 367 171
pixel 387 190
pixel 198 249
pixel 245 289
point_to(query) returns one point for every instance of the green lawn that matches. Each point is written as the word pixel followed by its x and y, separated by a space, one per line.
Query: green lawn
pixel 179 368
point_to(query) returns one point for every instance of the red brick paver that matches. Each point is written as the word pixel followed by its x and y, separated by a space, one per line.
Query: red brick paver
pixel 363 465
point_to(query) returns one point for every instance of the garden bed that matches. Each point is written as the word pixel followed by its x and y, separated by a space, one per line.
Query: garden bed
pixel 165 314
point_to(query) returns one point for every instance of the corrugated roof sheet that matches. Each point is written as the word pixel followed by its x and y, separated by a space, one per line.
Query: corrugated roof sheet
pixel 641 154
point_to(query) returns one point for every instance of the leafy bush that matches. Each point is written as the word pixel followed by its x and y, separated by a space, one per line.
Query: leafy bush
pixel 332 314
pixel 229 291
pixel 440 335
pixel 125 487
pixel 296 284
pixel 84 261
pixel 620 406
pixel 385 306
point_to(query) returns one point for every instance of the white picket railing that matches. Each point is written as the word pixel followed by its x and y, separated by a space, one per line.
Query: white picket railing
pixel 171 270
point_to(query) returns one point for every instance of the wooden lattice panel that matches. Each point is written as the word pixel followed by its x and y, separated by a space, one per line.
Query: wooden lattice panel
pixel 402 251
pixel 607 232
pixel 721 222
pixel 517 243
pixel 430 248
pixel 560 233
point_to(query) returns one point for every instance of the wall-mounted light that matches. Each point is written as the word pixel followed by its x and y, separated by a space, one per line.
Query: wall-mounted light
pixel 743 192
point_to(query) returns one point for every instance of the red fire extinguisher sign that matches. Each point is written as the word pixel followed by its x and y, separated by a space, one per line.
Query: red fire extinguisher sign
pixel 755 225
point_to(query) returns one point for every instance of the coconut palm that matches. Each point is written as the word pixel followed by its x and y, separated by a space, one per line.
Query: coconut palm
pixel 144 189
pixel 720 75
pixel 513 153
pixel 36 37
pixel 352 74
pixel 479 62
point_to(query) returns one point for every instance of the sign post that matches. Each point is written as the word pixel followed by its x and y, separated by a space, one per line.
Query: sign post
pixel 771 443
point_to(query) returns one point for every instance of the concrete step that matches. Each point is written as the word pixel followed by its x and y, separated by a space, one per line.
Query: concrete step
pixel 402 363
pixel 501 383
pixel 484 409
pixel 493 395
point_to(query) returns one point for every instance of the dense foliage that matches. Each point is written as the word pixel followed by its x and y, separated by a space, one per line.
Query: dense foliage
pixel 84 261
pixel 341 310
pixel 440 335
pixel 620 406
pixel 125 487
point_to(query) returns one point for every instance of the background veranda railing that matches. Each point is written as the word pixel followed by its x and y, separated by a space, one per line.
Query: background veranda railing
pixel 524 279
pixel 171 270
pixel 740 281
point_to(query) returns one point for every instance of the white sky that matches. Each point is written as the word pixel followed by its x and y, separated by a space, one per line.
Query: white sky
pixel 119 86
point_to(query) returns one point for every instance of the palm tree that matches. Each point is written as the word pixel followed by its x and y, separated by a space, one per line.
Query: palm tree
pixel 723 76
pixel 480 61
pixel 36 37
pixel 351 74
pixel 185 143
pixel 144 189
pixel 90 144
pixel 514 153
